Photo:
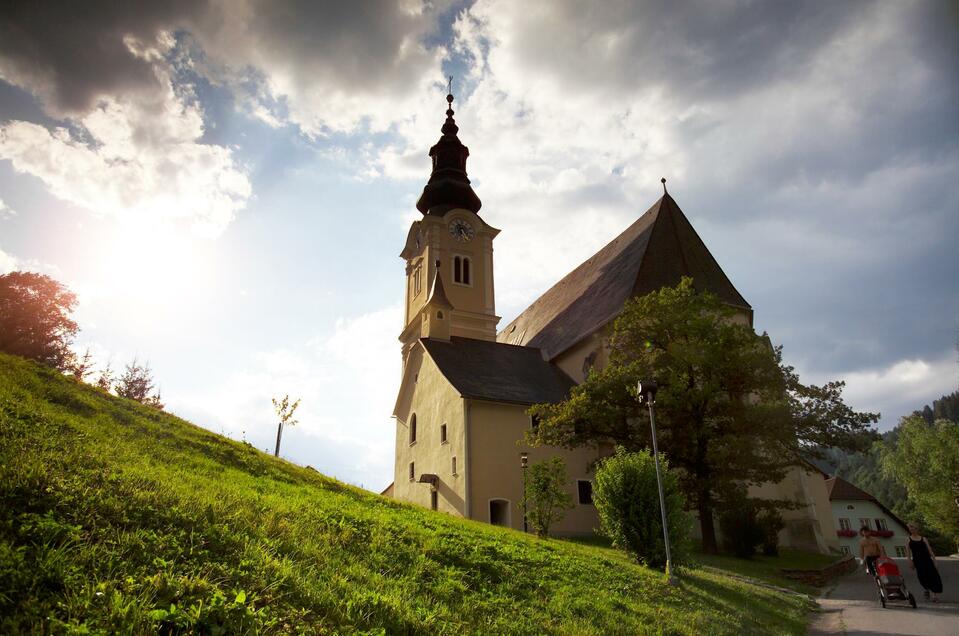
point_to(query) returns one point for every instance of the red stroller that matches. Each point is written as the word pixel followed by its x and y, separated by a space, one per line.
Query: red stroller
pixel 892 587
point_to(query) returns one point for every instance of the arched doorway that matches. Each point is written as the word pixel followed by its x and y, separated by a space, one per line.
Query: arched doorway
pixel 499 512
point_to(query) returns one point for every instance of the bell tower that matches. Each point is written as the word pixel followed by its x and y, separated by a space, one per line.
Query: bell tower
pixel 451 250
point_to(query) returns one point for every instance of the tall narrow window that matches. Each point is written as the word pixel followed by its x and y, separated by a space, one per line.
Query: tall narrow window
pixel 466 270
pixel 434 500
pixel 417 280
pixel 457 269
pixel 412 471
pixel 454 465
pixel 413 429
pixel 443 433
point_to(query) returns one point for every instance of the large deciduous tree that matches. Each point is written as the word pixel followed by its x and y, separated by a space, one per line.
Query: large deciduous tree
pixel 729 413
pixel 925 460
pixel 35 318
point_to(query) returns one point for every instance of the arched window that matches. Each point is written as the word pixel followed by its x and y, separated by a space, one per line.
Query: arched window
pixel 461 270
pixel 413 429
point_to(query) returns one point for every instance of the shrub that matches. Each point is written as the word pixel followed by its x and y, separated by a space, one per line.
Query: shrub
pixel 546 498
pixel 771 523
pixel 741 527
pixel 627 499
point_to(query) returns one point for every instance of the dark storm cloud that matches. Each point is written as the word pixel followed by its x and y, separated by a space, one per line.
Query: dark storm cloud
pixel 70 53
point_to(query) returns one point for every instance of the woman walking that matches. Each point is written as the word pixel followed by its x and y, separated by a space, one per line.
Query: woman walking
pixel 923 560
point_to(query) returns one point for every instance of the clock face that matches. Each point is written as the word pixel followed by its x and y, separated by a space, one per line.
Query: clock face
pixel 461 230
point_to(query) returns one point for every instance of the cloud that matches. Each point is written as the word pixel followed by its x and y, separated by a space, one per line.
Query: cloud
pixel 346 382
pixel 8 263
pixel 902 387
pixel 6 212
pixel 810 145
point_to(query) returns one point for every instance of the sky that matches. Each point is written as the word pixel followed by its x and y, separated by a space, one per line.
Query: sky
pixel 227 184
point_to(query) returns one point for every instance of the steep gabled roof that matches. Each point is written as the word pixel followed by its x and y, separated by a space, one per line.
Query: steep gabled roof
pixel 484 370
pixel 654 252
pixel 839 488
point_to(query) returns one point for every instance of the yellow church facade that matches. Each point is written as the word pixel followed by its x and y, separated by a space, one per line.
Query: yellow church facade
pixel 461 410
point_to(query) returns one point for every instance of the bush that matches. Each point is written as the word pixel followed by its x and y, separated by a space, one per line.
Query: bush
pixel 771 523
pixel 741 527
pixel 627 499
pixel 546 498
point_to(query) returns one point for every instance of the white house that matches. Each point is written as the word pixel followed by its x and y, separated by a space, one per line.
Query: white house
pixel 853 509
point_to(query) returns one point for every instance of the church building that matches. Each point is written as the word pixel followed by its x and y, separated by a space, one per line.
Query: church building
pixel 461 411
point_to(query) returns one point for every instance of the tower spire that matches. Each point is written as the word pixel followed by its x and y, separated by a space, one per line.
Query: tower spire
pixel 448 186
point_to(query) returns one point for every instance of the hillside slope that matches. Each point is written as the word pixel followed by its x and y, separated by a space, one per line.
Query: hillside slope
pixel 117 518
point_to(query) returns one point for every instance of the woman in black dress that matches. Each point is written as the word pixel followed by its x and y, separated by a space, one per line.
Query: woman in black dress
pixel 923 561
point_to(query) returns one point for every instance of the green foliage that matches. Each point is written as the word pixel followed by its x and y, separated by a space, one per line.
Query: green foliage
pixel 771 522
pixel 546 498
pixel 626 496
pixel 741 527
pixel 926 462
pixel 728 410
pixel 118 518
pixel 136 383
pixel 35 318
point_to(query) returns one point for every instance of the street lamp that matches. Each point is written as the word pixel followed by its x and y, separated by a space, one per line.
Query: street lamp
pixel 647 395
pixel 524 462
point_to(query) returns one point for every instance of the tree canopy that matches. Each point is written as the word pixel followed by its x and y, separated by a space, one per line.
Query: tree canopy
pixel 35 318
pixel 925 460
pixel 730 413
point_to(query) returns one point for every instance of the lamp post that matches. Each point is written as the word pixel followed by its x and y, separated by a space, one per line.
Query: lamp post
pixel 524 462
pixel 647 395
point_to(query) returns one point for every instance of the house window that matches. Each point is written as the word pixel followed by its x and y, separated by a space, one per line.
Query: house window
pixel 864 523
pixel 850 507
pixel 534 422
pixel 499 512
pixel 585 489
pixel 844 524
pixel 881 524
pixel 439 315
pixel 434 500
pixel 844 549
pixel 443 435
pixel 453 466
pixel 417 280
pixel 412 471
pixel 900 551
pixel 413 429
pixel 461 270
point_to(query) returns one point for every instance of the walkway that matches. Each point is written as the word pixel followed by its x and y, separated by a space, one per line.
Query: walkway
pixel 852 607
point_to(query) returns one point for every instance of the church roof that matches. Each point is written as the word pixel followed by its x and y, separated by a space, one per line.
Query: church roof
pixel 484 370
pixel 656 251
pixel 438 292
pixel 448 187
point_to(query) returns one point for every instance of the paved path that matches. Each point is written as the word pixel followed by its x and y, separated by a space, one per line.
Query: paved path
pixel 852 607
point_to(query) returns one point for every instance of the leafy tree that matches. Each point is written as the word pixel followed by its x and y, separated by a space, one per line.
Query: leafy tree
pixel 729 412
pixel 771 522
pixel 83 366
pixel 926 462
pixel 105 380
pixel 35 318
pixel 284 411
pixel 742 530
pixel 136 383
pixel 626 496
pixel 546 498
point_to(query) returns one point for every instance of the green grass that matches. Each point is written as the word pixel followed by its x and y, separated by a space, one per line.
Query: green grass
pixel 767 569
pixel 116 518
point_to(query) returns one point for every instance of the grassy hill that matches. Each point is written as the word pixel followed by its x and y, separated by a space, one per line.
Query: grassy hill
pixel 115 517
